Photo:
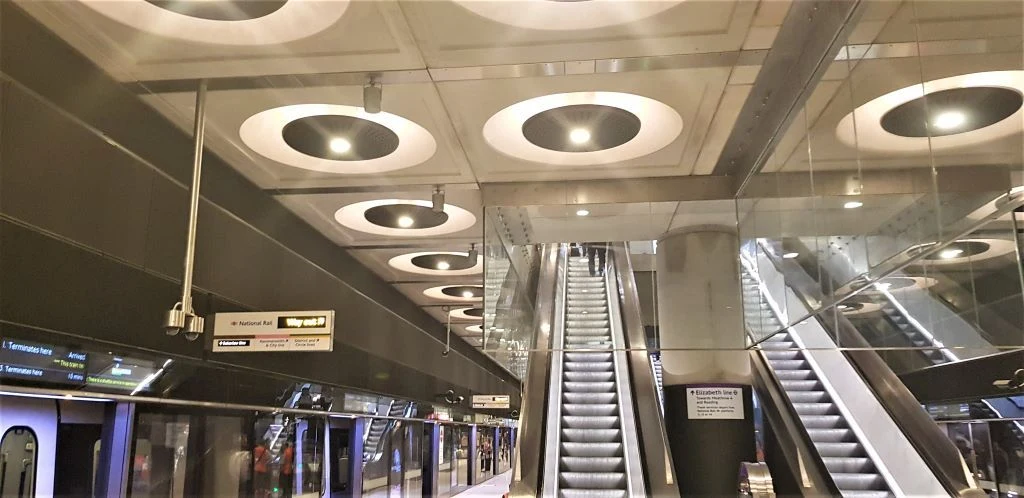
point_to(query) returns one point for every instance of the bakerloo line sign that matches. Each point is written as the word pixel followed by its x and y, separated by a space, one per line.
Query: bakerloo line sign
pixel 273 331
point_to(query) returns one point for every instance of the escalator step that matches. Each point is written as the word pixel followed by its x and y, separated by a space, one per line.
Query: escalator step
pixel 592 449
pixel 590 387
pixel 808 397
pixel 589 331
pixel 593 480
pixel 815 408
pixel 589 376
pixel 588 366
pixel 831 435
pixel 589 398
pixel 823 422
pixel 858 482
pixel 589 357
pixel 800 364
pixel 592 493
pixel 590 422
pixel 784 355
pixel 591 435
pixel 800 385
pixel 777 345
pixel 848 465
pixel 852 493
pixel 593 464
pixel 850 449
pixel 590 410
pixel 785 375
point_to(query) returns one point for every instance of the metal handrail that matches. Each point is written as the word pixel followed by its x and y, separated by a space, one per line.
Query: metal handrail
pixel 934 447
pixel 755 481
pixel 553 418
pixel 527 469
pixel 627 409
pixel 657 459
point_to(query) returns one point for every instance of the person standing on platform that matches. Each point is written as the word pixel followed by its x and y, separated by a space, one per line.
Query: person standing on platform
pixel 596 252
pixel 261 469
pixel 286 479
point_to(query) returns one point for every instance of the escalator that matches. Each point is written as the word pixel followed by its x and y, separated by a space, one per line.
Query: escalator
pixel 592 459
pixel 380 428
pixel 590 424
pixel 844 423
pixel 843 455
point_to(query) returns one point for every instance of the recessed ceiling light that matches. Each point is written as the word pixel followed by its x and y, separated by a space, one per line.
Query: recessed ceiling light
pixel 883 286
pixel 950 253
pixel 949 119
pixel 339 145
pixel 843 307
pixel 791 255
pixel 853 205
pixel 582 212
pixel 467 294
pixel 443 265
pixel 406 221
pixel 579 136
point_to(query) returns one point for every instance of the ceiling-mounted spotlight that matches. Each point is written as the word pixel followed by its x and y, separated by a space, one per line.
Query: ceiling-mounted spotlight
pixel 372 94
pixel 472 254
pixel 437 200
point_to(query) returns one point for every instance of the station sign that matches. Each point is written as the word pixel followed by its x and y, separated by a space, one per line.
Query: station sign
pixel 268 331
pixel 492 401
pixel 39 362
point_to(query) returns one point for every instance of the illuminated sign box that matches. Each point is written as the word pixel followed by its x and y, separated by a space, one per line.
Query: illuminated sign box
pixel 268 331
pixel 491 401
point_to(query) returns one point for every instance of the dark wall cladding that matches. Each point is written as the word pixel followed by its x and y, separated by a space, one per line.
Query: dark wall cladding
pixel 92 239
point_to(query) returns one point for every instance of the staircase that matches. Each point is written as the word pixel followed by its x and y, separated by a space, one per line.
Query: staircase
pixel 379 428
pixel 853 473
pixel 591 459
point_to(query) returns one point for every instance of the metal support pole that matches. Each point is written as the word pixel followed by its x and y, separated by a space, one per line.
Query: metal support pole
pixel 182 315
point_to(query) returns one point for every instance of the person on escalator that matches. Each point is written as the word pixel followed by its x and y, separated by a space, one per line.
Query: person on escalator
pixel 305 401
pixel 594 253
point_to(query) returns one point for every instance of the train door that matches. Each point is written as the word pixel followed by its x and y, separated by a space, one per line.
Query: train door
pixel 18 462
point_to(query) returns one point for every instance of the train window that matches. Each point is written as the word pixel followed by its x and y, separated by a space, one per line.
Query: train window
pixel 18 458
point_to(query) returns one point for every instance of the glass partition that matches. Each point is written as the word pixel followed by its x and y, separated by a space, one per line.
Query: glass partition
pixel 893 187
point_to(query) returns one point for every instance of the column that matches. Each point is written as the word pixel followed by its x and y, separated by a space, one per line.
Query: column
pixel 705 369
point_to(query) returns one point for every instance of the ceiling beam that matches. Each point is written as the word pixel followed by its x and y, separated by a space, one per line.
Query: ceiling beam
pixel 809 39
pixel 978 179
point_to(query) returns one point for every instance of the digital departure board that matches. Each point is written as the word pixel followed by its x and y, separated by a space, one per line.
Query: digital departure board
pixel 41 362
pixel 118 372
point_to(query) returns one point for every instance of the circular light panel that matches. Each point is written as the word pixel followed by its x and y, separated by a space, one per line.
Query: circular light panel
pixel 524 130
pixel 340 138
pixel 475 329
pixel 963 251
pixel 467 313
pixel 380 142
pixel 456 293
pixel 425 263
pixel 953 111
pixel 357 217
pixel 942 114
pixel 581 128
pixel 566 15
pixel 404 216
pixel 274 22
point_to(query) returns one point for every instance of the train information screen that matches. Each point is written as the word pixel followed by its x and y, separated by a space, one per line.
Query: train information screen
pixel 119 372
pixel 42 362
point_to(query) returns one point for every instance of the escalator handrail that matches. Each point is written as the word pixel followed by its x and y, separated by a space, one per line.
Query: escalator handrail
pixel 934 447
pixel 527 476
pixel 657 459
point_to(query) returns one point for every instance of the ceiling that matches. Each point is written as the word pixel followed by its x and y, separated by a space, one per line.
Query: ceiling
pixel 458 78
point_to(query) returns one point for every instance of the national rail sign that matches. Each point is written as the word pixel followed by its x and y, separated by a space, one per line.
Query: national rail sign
pixel 269 331
pixel 491 401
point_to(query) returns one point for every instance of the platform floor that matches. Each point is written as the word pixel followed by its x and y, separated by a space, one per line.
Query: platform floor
pixel 492 488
